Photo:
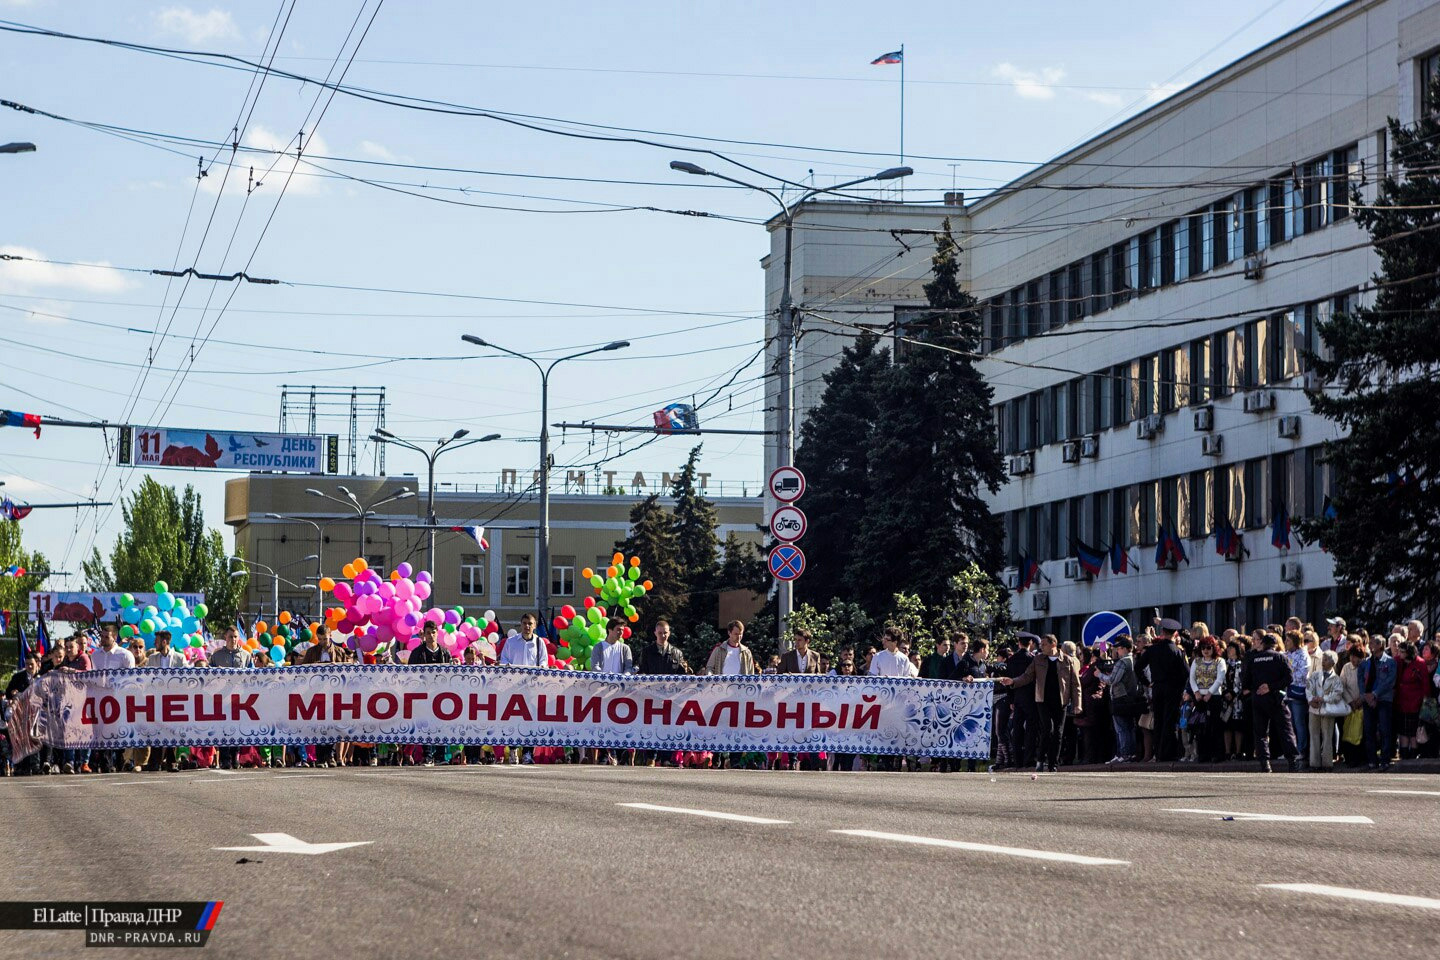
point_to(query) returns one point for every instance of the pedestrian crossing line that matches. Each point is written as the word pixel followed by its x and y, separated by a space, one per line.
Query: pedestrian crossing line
pixel 712 814
pixel 1351 893
pixel 1023 852
pixel 1277 817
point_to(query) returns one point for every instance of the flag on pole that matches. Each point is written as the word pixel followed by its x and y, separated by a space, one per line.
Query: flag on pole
pixel 24 644
pixel 10 510
pixel 1091 560
pixel 894 56
pixel 42 635
pixel 1327 510
pixel 14 418
pixel 474 533
pixel 1280 529
pixel 1119 559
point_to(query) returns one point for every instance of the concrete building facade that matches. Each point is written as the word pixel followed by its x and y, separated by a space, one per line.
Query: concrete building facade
pixel 1148 298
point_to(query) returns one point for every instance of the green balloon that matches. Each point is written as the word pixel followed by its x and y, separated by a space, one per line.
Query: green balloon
pixel 147 625
pixel 639 589
pixel 127 600
pixel 200 611
pixel 471 622
pixel 597 632
pixel 593 615
pixel 634 573
pixel 196 642
pixel 127 631
pixel 597 581
pixel 161 586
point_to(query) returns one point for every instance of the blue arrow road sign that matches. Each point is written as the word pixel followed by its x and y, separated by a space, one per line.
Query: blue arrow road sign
pixel 1104 626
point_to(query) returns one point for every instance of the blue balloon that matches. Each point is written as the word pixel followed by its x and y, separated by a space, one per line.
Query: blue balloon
pixel 190 625
pixel 165 601
pixel 130 615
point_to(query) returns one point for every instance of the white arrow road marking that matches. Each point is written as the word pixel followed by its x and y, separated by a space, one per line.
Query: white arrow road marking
pixel 1410 793
pixel 284 843
pixel 713 814
pixel 1349 893
pixel 988 848
pixel 1277 817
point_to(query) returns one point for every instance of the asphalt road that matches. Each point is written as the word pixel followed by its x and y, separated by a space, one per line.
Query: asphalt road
pixel 549 862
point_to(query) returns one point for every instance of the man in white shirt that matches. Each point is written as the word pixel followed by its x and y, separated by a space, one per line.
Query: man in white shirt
pixel 110 656
pixel 612 655
pixel 525 649
pixel 163 758
pixel 890 662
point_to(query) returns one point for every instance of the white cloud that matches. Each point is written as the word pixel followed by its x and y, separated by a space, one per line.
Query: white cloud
pixel 197 27
pixel 307 180
pixel 1103 97
pixel 26 276
pixel 1030 84
pixel 49 313
pixel 372 149
pixel 1160 91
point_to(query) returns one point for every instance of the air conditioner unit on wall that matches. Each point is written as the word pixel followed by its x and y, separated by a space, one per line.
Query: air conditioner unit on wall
pixel 1213 445
pixel 1150 426
pixel 1290 572
pixel 1090 446
pixel 1258 401
pixel 1040 601
pixel 1070 453
pixel 1289 427
pixel 1022 463
pixel 1254 267
pixel 1312 382
pixel 1205 418
pixel 1011 579
pixel 1073 570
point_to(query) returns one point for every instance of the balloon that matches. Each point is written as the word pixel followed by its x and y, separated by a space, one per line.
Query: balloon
pixel 423 576
pixel 147 625
pixel 625 632
pixel 196 642
pixel 130 614
pixel 127 632
pixel 633 574
pixel 165 601
pixel 422 590
pixel 404 569
pixel 360 564
pixel 343 592
pixel 277 654
pixel 127 600
pixel 327 584
pixel 490 615
pixel 596 582
pixel 589 602
pixel 285 616
pixel 161 586
pixel 452 617
pixel 619 558
pixel 567 611
pixel 349 571
pixel 201 611
pixel 394 574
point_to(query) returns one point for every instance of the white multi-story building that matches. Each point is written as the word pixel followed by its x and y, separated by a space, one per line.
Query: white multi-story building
pixel 1148 298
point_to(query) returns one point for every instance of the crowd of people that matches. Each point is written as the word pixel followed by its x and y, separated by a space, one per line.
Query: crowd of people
pixel 1166 694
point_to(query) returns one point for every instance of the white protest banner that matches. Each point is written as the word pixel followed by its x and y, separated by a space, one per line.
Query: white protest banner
pixel 116 709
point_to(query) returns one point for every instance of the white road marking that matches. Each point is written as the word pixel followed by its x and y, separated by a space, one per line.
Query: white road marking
pixel 284 843
pixel 1276 817
pixel 222 779
pixel 713 814
pixel 303 776
pixel 1050 855
pixel 1410 793
pixel 1350 893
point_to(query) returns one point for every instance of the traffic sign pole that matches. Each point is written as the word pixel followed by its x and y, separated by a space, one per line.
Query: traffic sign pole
pixel 785 486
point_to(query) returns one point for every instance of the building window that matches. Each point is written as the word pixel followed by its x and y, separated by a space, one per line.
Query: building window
pixel 1199 373
pixel 517 575
pixel 1034 310
pixel 1275 213
pixel 1345 166
pixel 1181 229
pixel 1429 70
pixel 472 574
pixel 1077 291
pixel 1202 503
pixel 562 577
pixel 1316 484
pixel 1099 282
pixel 376 562
pixel 1223 219
pixel 995 327
pixel 1257 354
pixel 1282 485
pixel 1206 220
pixel 1257 493
pixel 1287 340
pixel 1120 395
pixel 1058 307
pixel 1120 286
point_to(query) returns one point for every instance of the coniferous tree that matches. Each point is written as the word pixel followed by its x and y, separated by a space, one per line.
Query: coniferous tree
pixel 696 544
pixel 652 539
pixel 1382 374
pixel 832 455
pixel 932 454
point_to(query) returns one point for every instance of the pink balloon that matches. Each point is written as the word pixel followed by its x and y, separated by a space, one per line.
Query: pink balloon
pixel 404 589
pixel 345 625
pixel 369 642
pixel 435 615
pixel 343 593
pixel 384 633
pixel 422 590
pixel 387 590
pixel 412 643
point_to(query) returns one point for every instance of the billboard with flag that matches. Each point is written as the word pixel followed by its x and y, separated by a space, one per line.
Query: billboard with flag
pixel 86 607
pixel 150 447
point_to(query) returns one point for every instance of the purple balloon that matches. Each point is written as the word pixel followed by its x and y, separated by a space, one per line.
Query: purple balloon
pixel 404 569
pixel 452 617
pixel 412 620
pixel 423 576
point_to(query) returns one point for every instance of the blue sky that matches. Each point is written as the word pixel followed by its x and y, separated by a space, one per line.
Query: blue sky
pixel 1000 83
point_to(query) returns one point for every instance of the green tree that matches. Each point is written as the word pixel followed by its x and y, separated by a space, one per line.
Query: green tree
pixel 165 538
pixel 1381 365
pixel 832 454
pixel 696 545
pixel 741 568
pixel 976 603
pixel 652 539
pixel 15 591
pixel 911 615
pixel 932 454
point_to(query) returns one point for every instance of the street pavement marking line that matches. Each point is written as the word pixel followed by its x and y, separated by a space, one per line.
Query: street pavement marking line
pixel 1350 893
pixel 713 814
pixel 1410 793
pixel 222 779
pixel 302 776
pixel 1028 854
pixel 1277 817
pixel 284 843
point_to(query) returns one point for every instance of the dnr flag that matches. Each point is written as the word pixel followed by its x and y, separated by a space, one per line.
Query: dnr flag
pixel 894 56
pixel 1092 561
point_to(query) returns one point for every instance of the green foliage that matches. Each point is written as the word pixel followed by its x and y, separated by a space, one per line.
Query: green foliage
pixel 832 455
pixel 742 568
pixel 165 538
pixel 976 603
pixel 1383 374
pixel 652 539
pixel 932 452
pixel 841 625
pixel 909 613
pixel 15 591
pixel 694 522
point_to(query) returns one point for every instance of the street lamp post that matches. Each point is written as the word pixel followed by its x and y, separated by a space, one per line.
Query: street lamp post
pixel 17 147
pixel 543 593
pixel 319 548
pixel 382 435
pixel 275 578
pixel 351 502
pixel 785 402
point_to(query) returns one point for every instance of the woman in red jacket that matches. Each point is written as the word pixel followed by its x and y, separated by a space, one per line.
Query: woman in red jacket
pixel 1412 682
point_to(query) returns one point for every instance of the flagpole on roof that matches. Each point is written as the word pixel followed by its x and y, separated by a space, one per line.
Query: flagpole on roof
pixel 902 113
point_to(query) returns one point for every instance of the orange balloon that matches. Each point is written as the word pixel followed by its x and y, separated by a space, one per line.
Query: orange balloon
pixel 360 565
pixel 285 616
pixel 634 561
pixel 648 585
pixel 349 571
pixel 262 627
pixel 633 617
pixel 394 574
pixel 587 573
pixel 327 584
pixel 619 558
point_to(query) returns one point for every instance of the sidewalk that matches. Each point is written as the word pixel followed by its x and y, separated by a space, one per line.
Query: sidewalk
pixel 1237 766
